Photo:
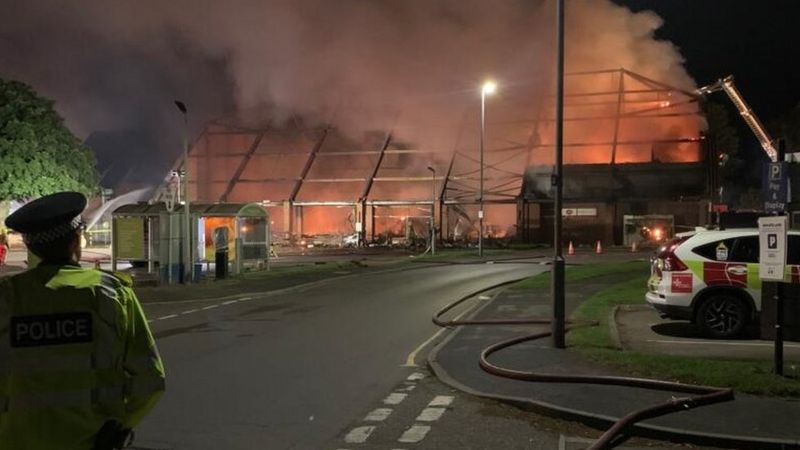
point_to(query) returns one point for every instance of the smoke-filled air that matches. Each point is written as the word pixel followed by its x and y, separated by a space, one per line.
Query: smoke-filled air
pixel 411 65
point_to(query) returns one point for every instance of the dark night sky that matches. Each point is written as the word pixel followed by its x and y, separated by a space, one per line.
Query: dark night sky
pixel 115 70
pixel 756 41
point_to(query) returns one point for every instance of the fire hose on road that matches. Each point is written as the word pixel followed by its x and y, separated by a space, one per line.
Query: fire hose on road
pixel 697 395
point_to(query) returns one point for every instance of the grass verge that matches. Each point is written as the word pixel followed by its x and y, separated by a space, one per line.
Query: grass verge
pixel 578 273
pixel 596 344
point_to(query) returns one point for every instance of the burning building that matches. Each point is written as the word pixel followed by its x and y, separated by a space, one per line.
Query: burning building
pixel 632 147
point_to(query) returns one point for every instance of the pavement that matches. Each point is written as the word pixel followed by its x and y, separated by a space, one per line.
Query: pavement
pixel 640 329
pixel 747 422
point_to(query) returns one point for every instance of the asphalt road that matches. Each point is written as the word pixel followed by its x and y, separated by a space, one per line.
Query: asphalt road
pixel 292 371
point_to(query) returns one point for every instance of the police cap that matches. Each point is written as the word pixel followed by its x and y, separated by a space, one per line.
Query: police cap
pixel 48 218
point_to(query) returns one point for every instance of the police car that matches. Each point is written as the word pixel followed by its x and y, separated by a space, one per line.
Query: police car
pixel 710 277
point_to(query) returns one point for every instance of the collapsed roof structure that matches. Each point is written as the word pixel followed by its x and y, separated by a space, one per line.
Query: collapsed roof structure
pixel 322 178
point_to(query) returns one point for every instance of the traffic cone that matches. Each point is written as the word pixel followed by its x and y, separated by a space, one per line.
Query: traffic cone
pixel 570 249
pixel 599 248
pixel 634 247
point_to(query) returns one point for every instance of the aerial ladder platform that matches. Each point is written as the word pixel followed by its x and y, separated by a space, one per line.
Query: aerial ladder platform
pixel 726 84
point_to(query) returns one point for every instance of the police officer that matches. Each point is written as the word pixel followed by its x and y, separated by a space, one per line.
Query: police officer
pixel 78 365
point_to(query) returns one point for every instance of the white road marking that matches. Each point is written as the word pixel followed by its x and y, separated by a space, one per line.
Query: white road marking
pixel 378 415
pixel 746 344
pixel 415 376
pixel 359 435
pixel 190 311
pixel 431 414
pixel 414 434
pixel 395 398
pixel 408 388
pixel 410 360
pixel 484 297
pixel 441 400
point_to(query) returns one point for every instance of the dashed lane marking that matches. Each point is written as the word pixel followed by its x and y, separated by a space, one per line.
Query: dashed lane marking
pixel 378 415
pixel 441 400
pixel 167 317
pixel 395 398
pixel 205 308
pixel 359 435
pixel 416 376
pixel 431 414
pixel 408 388
pixel 414 434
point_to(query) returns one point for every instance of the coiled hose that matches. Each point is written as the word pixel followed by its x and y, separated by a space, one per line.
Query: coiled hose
pixel 698 395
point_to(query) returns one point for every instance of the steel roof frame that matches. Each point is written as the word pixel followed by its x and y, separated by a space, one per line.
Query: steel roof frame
pixel 461 190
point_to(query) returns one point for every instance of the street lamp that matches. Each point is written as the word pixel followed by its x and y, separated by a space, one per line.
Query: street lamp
pixel 187 235
pixel 433 210
pixel 488 88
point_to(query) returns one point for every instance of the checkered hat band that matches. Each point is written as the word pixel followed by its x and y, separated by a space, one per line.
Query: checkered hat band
pixel 54 233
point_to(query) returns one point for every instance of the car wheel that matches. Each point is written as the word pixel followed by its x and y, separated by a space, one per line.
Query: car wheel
pixel 722 316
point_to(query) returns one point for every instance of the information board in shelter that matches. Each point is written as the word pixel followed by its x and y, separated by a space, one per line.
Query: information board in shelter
pixel 129 238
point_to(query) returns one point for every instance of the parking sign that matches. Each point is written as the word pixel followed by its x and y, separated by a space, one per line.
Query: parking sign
pixel 772 247
pixel 775 186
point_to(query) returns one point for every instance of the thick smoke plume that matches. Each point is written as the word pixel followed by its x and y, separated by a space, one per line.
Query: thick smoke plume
pixel 368 64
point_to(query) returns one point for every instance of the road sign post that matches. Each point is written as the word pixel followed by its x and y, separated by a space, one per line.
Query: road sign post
pixel 772 267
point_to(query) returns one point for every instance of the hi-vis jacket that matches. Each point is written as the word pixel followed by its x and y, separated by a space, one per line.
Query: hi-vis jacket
pixel 75 352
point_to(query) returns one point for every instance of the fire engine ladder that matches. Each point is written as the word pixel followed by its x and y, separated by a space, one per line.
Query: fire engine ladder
pixel 750 118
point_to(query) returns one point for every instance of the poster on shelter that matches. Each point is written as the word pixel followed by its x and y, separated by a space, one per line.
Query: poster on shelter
pixel 129 238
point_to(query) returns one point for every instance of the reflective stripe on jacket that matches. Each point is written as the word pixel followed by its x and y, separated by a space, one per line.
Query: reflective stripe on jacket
pixel 75 352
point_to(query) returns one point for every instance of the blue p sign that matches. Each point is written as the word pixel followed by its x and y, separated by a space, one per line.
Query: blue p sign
pixel 774 171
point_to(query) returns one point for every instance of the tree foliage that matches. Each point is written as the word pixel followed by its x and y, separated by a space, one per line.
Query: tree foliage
pixel 788 128
pixel 724 141
pixel 39 155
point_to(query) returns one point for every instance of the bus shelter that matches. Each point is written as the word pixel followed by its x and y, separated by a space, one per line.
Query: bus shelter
pixel 151 236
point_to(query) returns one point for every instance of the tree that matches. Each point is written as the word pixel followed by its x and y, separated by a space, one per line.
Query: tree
pixel 723 139
pixel 788 128
pixel 39 155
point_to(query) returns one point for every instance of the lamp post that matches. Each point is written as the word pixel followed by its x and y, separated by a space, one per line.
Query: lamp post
pixel 488 88
pixel 187 234
pixel 557 287
pixel 433 210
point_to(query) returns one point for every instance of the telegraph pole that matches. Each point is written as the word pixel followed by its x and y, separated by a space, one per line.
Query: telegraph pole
pixel 557 286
